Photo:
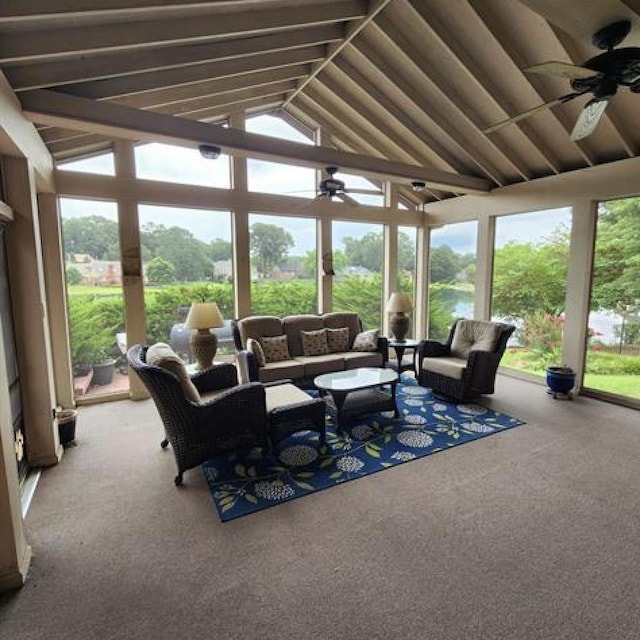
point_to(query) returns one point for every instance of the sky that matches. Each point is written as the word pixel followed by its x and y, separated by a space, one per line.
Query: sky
pixel 183 165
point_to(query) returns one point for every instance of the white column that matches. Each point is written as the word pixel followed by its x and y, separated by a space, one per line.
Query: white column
pixel 324 249
pixel 574 335
pixel 484 266
pixel 131 261
pixel 421 303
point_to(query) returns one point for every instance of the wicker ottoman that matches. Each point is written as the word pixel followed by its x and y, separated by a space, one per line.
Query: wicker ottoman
pixel 291 410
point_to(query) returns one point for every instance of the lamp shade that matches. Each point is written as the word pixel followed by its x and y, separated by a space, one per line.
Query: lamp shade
pixel 204 315
pixel 399 303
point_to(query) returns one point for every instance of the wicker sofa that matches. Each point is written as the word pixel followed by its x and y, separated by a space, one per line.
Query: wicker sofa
pixel 299 367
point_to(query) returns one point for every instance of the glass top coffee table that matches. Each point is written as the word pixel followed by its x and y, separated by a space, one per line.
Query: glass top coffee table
pixel 359 391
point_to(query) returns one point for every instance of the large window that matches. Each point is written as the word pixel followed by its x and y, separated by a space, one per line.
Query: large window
pixel 283 265
pixel 407 238
pixel 186 257
pixel 101 164
pixel 613 354
pixel 529 286
pixel 183 165
pixel 452 276
pixel 274 177
pixel 358 251
pixel 94 286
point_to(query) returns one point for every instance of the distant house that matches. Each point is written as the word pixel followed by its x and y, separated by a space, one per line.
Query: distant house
pixel 97 272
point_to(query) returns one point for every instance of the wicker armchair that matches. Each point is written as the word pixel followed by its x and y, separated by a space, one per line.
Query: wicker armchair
pixel 465 366
pixel 235 418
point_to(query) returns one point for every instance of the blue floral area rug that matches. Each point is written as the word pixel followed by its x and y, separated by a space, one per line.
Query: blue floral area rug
pixel 246 481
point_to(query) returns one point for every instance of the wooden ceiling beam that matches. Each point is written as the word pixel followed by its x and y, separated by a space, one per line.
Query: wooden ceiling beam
pixel 50 107
pixel 88 39
pixel 154 80
pixel 91 68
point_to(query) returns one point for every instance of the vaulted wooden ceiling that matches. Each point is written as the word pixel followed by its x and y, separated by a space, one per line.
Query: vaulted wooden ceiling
pixel 412 81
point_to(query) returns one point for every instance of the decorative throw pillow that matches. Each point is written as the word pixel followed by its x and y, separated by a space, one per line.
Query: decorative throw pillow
pixel 254 347
pixel 275 348
pixel 366 341
pixel 162 355
pixel 314 343
pixel 338 340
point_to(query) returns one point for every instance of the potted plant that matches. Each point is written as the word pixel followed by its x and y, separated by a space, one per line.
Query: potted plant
pixel 66 425
pixel 560 380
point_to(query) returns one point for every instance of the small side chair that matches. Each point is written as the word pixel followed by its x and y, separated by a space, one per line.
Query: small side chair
pixel 198 429
pixel 465 366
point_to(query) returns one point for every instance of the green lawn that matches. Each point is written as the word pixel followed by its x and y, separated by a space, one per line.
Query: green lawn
pixel 622 385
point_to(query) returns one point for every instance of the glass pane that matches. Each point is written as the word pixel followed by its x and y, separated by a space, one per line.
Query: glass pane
pixel 102 164
pixel 613 362
pixel 529 286
pixel 283 265
pixel 357 261
pixel 169 163
pixel 407 238
pixel 361 189
pixel 452 276
pixel 186 256
pixel 94 285
pixel 274 177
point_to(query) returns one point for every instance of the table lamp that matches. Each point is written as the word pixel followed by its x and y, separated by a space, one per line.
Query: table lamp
pixel 204 316
pixel 399 304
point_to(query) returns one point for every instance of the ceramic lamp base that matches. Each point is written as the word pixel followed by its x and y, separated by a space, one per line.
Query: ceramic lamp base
pixel 399 326
pixel 204 345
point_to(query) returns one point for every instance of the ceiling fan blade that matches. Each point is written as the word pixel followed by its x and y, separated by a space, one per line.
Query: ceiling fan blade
pixel 364 192
pixel 347 200
pixel 588 119
pixel 530 112
pixel 563 70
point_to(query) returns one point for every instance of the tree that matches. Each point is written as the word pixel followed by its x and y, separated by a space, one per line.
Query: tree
pixel 529 278
pixel 219 249
pixel 160 271
pixel 616 275
pixel 445 264
pixel 269 245
pixel 189 256
pixel 93 235
pixel 366 251
pixel 73 275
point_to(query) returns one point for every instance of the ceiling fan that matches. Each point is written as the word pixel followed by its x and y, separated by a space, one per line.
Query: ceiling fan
pixel 600 76
pixel 331 187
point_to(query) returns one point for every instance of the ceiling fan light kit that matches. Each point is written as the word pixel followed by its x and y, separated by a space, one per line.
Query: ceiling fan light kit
pixel 601 76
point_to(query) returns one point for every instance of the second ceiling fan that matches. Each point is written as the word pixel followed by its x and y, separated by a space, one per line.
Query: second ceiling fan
pixel 600 76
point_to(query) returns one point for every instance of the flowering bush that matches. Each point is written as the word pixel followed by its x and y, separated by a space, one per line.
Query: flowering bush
pixel 541 334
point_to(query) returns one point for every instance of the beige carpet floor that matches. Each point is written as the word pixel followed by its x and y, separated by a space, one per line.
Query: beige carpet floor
pixel 530 534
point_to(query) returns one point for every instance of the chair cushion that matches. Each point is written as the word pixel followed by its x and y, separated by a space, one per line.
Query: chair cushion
pixel 356 359
pixel 282 395
pixel 338 339
pixel 280 370
pixel 445 366
pixel 314 343
pixel 366 341
pixel 275 348
pixel 340 319
pixel 293 326
pixel 476 335
pixel 254 346
pixel 162 355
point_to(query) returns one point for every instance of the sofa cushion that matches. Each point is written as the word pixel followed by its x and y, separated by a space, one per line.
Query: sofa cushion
pixel 339 319
pixel 259 326
pixel 281 370
pixel 254 347
pixel 476 335
pixel 338 339
pixel 162 355
pixel 275 348
pixel 445 366
pixel 356 359
pixel 314 343
pixel 315 365
pixel 366 341
pixel 294 325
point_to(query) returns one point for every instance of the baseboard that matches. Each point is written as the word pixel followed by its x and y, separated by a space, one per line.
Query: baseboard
pixel 14 578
